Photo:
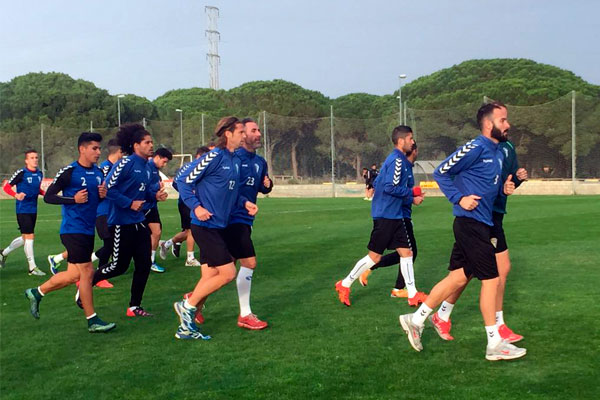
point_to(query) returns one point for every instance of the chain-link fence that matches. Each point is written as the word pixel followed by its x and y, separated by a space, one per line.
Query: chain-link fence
pixel 317 150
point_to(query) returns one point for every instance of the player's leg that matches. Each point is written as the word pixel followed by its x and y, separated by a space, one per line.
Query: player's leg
pixel 103 254
pixel 54 261
pixel 155 232
pixel 403 244
pixel 123 244
pixel 141 257
pixel 190 260
pixel 15 244
pixel 27 227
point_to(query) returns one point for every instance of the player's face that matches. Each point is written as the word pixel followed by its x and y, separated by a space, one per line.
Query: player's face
pixel 236 138
pixel 500 125
pixel 160 162
pixel 90 152
pixel 408 143
pixel 253 136
pixel 31 160
pixel 145 148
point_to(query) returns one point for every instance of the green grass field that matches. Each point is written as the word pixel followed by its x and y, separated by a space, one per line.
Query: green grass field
pixel 315 347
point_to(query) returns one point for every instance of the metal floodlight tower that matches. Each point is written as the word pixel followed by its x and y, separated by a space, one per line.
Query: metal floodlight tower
pixel 213 46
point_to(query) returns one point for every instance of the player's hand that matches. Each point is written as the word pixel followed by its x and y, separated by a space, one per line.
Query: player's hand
pixel 469 202
pixel 102 190
pixel 136 205
pixel 20 196
pixel 418 200
pixel 81 196
pixel 522 174
pixel 202 213
pixel 161 195
pixel 509 186
pixel 251 207
pixel 267 182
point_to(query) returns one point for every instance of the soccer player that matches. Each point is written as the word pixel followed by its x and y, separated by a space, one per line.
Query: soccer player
pixel 161 158
pixel 82 187
pixel 441 319
pixel 128 188
pixel 471 179
pixel 184 215
pixel 210 188
pixel 394 258
pixel 389 230
pixel 28 183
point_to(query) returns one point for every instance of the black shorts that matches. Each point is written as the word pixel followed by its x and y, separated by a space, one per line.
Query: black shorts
pixel 369 186
pixel 79 247
pixel 388 234
pixel 239 241
pixel 184 215
pixel 473 249
pixel 152 216
pixel 26 223
pixel 213 246
pixel 102 227
pixel 497 233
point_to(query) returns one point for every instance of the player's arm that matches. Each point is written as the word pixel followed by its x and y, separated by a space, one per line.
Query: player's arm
pixel 394 181
pixel 60 182
pixel 457 162
pixel 113 183
pixel 15 179
pixel 266 183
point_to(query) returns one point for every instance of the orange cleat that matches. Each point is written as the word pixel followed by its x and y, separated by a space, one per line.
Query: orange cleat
pixel 507 334
pixel 417 299
pixel 399 293
pixel 441 327
pixel 251 322
pixel 343 293
pixel 104 284
pixel 364 277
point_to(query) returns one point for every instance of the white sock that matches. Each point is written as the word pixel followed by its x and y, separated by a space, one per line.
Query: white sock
pixel 190 255
pixel 499 318
pixel 445 310
pixel 168 244
pixel 40 290
pixel 94 257
pixel 406 266
pixel 153 257
pixel 493 336
pixel 189 306
pixel 91 316
pixel 58 258
pixel 15 244
pixel 29 254
pixel 132 308
pixel 361 266
pixel 421 315
pixel 244 282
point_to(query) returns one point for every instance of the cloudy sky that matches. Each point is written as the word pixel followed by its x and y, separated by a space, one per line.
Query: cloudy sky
pixel 147 47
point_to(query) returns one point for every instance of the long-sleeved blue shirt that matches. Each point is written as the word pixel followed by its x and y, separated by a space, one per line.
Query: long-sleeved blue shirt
pixel 408 200
pixel 154 184
pixel 510 165
pixel 128 180
pixel 212 181
pixel 105 167
pixel 391 187
pixel 253 170
pixel 27 182
pixel 474 168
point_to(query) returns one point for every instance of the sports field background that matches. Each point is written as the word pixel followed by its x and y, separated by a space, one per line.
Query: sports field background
pixel 315 347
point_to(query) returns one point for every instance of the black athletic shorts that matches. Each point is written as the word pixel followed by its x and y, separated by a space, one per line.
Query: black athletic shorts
pixel 239 240
pixel 473 249
pixel 497 233
pixel 102 227
pixel 79 247
pixel 213 246
pixel 184 215
pixel 369 186
pixel 388 234
pixel 26 223
pixel 152 216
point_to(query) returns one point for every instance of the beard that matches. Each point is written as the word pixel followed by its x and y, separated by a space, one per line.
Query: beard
pixel 499 135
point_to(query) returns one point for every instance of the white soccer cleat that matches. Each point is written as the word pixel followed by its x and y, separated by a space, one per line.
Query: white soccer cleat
pixel 412 331
pixel 504 351
pixel 162 250
pixel 192 262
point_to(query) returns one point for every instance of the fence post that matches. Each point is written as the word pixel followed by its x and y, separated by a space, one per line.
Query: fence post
pixel 573 147
pixel 91 126
pixel 202 129
pixel 266 142
pixel 144 122
pixel 332 155
pixel 42 149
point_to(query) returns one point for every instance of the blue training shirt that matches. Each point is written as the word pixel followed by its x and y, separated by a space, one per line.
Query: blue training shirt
pixel 408 200
pixel 105 167
pixel 28 182
pixel 391 187
pixel 474 168
pixel 154 184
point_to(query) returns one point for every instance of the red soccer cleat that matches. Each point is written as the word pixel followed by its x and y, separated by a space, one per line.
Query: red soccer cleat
pixel 417 299
pixel 138 312
pixel 251 322
pixel 441 327
pixel 507 334
pixel 104 284
pixel 343 293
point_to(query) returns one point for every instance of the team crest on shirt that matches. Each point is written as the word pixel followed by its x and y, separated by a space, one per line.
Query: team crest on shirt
pixel 256 167
pixel 98 180
pixel 505 151
pixel 494 242
pixel 237 168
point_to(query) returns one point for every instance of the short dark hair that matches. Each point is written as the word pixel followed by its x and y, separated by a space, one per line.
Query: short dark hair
pixel 113 146
pixel 30 151
pixel 129 134
pixel 486 110
pixel 164 153
pixel 87 137
pixel 246 120
pixel 400 132
pixel 202 150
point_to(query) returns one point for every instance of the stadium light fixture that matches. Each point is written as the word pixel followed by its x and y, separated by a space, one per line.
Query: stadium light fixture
pixel 402 76
pixel 180 111
pixel 119 97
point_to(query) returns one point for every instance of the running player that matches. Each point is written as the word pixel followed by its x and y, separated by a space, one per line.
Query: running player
pixel 471 179
pixel 210 189
pixel 161 158
pixel 81 185
pixel 441 319
pixel 389 230
pixel 28 183
pixel 128 188
pixel 394 258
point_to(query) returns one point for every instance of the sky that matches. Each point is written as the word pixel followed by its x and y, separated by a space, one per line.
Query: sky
pixel 147 47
